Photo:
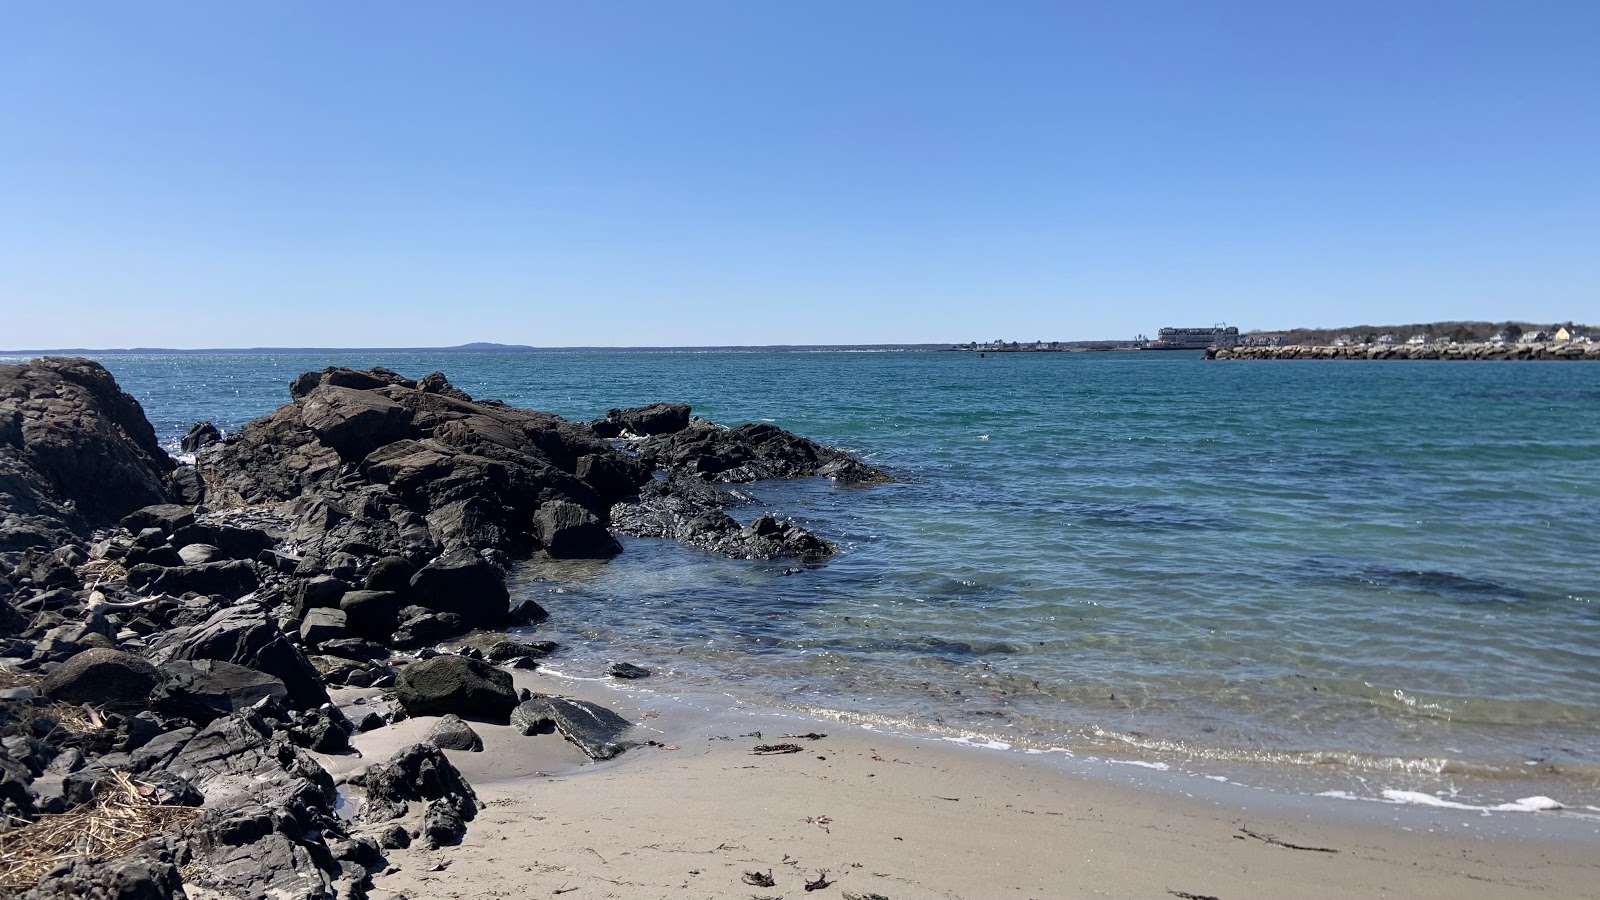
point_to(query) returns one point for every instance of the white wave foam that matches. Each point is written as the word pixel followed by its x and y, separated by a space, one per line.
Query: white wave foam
pixel 1418 798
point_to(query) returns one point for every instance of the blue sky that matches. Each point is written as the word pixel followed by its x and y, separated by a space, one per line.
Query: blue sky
pixel 396 174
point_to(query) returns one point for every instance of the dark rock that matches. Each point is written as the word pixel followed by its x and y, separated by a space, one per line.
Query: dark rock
pixel 532 716
pixel 230 579
pixel 371 614
pixel 207 689
pixel 185 485
pixel 358 649
pixel 103 677
pixel 692 513
pixel 455 684
pixel 528 613
pixel 163 555
pixel 568 531
pixel 391 573
pixel 627 670
pixel 498 649
pixel 394 837
pixel 232 541
pixel 463 583
pixel 243 635
pixel 450 733
pixel 420 628
pixel 595 730
pixel 370 721
pixel 75 450
pixel 418 772
pixel 322 625
pixel 135 878
pixel 167 517
pixel 323 730
pixel 442 825
pixel 200 434
pixel 657 418
pixel 436 383
pixel 749 453
pixel 354 422
pixel 316 592
pixel 614 477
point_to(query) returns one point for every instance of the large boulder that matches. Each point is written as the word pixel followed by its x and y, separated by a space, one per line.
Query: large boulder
pixel 448 684
pixel 108 677
pixel 75 448
pixel 463 583
pixel 207 689
pixel 231 579
pixel 569 531
pixel 657 418
pixel 597 731
pixel 354 422
pixel 373 615
pixel 420 772
pixel 243 635
pixel 451 733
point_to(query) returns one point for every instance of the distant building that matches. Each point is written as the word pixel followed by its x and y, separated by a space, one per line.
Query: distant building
pixel 1386 339
pixel 1562 334
pixel 1417 340
pixel 1195 338
pixel 1534 337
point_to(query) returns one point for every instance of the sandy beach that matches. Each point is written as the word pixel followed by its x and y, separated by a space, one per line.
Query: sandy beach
pixel 869 813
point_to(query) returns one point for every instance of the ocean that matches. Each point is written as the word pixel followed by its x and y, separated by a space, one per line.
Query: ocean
pixel 1371 579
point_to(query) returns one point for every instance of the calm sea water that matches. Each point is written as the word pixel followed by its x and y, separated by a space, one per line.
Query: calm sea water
pixel 1356 576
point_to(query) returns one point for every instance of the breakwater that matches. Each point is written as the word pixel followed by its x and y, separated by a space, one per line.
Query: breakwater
pixel 1407 351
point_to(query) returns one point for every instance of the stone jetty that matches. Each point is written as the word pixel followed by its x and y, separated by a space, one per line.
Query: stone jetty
pixel 1551 351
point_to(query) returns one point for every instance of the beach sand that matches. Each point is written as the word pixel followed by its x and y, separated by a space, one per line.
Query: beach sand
pixel 905 818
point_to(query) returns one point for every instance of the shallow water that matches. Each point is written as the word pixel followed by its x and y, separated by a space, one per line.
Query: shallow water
pixel 1368 575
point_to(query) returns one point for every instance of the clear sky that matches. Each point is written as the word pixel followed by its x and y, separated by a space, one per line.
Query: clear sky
pixel 602 173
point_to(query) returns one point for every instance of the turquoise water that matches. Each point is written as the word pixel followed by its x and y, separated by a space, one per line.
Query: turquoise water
pixel 1357 575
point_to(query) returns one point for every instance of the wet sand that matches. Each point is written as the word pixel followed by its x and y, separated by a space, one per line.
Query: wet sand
pixel 904 818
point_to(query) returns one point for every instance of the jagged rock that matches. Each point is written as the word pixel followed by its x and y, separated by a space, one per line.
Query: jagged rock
pixel 657 418
pixel 232 541
pixel 421 627
pixel 442 825
pixel 354 422
pixel 322 625
pixel 627 671
pixel 135 878
pixel 165 517
pixel 324 730
pixel 107 677
pixel 394 837
pixel 692 512
pixel 595 730
pixel 415 773
pixel 569 531
pixel 746 453
pixel 200 434
pixel 463 583
pixel 533 716
pixel 450 733
pixel 207 689
pixel 230 579
pixel 243 635
pixel 358 649
pixel 316 592
pixel 75 450
pixel 498 649
pixel 455 684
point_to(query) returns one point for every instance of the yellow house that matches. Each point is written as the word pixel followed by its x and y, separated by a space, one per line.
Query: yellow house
pixel 1562 335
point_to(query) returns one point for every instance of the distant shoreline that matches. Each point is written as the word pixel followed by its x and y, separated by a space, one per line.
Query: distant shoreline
pixel 473 348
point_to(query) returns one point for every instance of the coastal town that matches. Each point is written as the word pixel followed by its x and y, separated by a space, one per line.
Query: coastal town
pixel 1446 340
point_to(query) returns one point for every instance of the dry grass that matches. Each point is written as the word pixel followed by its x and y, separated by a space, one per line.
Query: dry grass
pixel 10 679
pixel 123 816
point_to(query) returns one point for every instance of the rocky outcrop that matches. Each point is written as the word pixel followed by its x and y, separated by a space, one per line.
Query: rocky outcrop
pixel 370 514
pixel 750 452
pixel 75 451
pixel 694 513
